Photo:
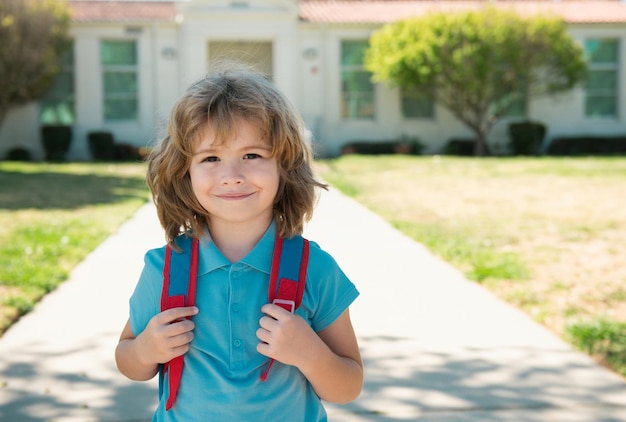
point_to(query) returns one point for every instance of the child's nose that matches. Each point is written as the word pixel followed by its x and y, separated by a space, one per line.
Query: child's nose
pixel 232 173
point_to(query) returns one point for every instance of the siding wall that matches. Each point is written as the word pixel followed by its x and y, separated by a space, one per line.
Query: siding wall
pixel 305 66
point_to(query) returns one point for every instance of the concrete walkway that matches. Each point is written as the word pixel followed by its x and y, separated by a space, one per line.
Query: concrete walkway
pixel 436 347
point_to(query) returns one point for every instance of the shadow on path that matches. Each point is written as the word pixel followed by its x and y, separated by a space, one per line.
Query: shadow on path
pixel 405 382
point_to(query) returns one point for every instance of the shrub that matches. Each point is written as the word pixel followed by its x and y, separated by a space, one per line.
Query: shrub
pixel 19 154
pixel 460 146
pixel 101 146
pixel 408 145
pixel 56 140
pixel 526 138
pixel 127 152
pixel 403 145
pixel 369 147
pixel 588 145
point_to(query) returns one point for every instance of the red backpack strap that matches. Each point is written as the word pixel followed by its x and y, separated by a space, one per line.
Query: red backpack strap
pixel 179 289
pixel 287 277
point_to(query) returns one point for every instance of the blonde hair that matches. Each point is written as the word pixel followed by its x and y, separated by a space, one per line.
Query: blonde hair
pixel 218 101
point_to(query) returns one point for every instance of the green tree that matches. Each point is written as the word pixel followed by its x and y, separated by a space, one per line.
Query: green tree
pixel 33 35
pixel 477 64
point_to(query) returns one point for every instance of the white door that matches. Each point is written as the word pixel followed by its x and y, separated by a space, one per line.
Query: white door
pixel 257 55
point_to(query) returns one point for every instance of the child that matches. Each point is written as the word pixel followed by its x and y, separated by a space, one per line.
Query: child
pixel 233 171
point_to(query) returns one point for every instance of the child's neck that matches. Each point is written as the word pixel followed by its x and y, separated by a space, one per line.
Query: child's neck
pixel 236 241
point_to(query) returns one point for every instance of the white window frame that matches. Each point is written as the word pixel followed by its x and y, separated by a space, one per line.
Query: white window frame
pixel 604 67
pixel 355 99
pixel 408 94
pixel 66 99
pixel 120 68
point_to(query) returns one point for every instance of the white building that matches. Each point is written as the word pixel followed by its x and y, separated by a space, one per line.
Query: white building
pixel 132 59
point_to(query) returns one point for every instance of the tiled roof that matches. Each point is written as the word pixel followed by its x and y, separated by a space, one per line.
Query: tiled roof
pixel 122 11
pixel 358 11
pixel 384 11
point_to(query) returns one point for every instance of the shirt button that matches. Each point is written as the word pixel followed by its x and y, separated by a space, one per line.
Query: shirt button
pixel 236 274
pixel 235 307
pixel 237 343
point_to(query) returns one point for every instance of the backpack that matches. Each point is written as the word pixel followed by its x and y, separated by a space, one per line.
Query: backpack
pixel 286 288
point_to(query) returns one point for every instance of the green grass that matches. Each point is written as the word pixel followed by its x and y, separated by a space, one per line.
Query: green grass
pixel 480 258
pixel 603 338
pixel 51 217
pixel 503 222
pixel 545 234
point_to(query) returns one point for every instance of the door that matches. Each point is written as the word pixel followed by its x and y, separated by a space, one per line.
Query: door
pixel 256 54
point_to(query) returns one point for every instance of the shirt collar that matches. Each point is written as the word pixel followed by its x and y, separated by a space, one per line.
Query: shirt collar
pixel 260 257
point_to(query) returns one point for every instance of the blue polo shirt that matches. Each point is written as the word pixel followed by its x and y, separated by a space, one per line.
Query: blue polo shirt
pixel 220 379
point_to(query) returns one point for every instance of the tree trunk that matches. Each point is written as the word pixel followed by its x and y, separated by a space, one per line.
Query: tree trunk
pixel 3 114
pixel 481 148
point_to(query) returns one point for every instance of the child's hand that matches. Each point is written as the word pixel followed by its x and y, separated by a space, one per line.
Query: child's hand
pixel 286 337
pixel 167 335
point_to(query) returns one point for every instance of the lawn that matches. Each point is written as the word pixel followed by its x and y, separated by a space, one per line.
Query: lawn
pixel 51 217
pixel 545 234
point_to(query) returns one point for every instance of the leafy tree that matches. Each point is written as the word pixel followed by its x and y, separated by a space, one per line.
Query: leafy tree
pixel 477 64
pixel 33 35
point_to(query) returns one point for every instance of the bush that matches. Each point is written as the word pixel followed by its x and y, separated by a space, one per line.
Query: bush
pixel 588 145
pixel 369 147
pixel 460 146
pixel 56 140
pixel 526 138
pixel 127 152
pixel 403 145
pixel 101 146
pixel 408 145
pixel 19 154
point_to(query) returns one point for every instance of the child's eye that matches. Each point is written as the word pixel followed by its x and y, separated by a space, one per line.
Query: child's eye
pixel 251 156
pixel 210 159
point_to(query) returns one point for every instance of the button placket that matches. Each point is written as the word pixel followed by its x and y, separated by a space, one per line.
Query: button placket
pixel 237 346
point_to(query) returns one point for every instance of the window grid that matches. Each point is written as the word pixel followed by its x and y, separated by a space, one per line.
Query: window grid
pixel 57 106
pixel 120 80
pixel 357 90
pixel 416 105
pixel 602 81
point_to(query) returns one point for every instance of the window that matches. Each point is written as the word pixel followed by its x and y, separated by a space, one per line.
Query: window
pixel 514 105
pixel 517 107
pixel 57 105
pixel 602 84
pixel 416 104
pixel 357 90
pixel 120 79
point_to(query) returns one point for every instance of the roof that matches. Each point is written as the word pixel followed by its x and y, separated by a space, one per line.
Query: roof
pixel 384 11
pixel 358 11
pixel 123 11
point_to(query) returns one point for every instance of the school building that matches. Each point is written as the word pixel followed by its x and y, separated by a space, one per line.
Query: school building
pixel 131 60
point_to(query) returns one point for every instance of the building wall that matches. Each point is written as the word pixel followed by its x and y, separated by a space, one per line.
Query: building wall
pixel 305 66
pixel 564 115
pixel 323 90
pixel 20 129
pixel 158 83
pixel 207 21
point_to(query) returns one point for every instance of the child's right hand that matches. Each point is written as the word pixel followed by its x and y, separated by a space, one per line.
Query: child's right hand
pixel 167 335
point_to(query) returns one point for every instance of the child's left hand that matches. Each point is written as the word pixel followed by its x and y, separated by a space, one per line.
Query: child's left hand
pixel 330 359
pixel 286 337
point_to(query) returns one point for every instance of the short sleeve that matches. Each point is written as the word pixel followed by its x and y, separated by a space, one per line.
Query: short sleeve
pixel 145 301
pixel 328 292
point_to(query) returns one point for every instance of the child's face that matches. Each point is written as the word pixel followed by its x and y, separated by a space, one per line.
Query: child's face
pixel 236 182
